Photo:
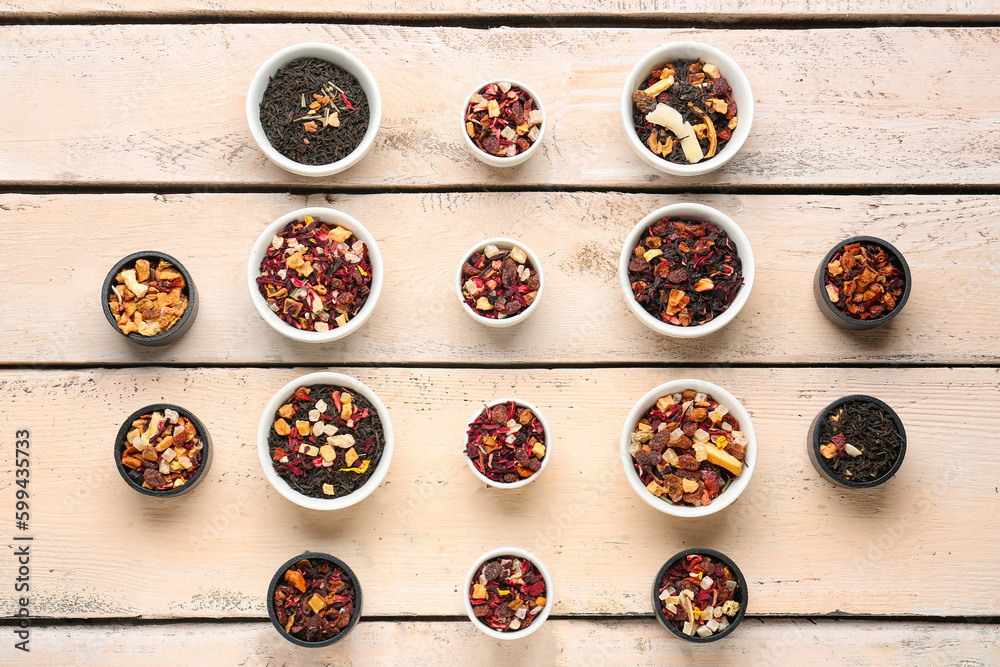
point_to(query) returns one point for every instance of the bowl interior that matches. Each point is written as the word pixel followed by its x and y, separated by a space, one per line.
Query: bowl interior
pixel 741 92
pixel 264 452
pixel 336 56
pixel 545 431
pixel 736 409
pixel 897 257
pixel 279 575
pixel 517 553
pixel 815 442
pixel 503 243
pixel 206 456
pixel 334 217
pixel 154 257
pixel 742 595
pixel 689 211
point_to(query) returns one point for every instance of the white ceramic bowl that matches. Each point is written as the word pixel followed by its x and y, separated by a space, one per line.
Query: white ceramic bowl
pixel 267 421
pixel 331 54
pixel 516 553
pixel 731 72
pixel 548 445
pixel 502 243
pixel 688 212
pixel 331 216
pixel 493 160
pixel 736 409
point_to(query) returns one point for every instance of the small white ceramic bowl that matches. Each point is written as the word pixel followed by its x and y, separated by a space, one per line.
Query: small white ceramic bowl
pixel 736 409
pixel 333 217
pixel 546 431
pixel 731 72
pixel 688 212
pixel 516 553
pixel 331 54
pixel 493 160
pixel 502 243
pixel 267 422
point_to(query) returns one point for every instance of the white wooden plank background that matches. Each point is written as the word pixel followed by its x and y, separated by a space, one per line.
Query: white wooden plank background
pixel 866 643
pixel 161 105
pixel 801 542
pixel 950 243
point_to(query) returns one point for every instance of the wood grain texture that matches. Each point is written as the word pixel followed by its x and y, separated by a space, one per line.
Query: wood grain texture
pixel 949 242
pixel 101 550
pixel 713 10
pixel 159 105
pixel 558 642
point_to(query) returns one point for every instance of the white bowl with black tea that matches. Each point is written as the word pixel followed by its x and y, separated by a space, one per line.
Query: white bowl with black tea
pixel 314 109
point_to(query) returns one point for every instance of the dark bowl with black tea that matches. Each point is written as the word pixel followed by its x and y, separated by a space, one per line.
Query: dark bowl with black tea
pixel 314 600
pixel 314 109
pixel 692 609
pixel 150 298
pixel 862 283
pixel 857 442
pixel 163 450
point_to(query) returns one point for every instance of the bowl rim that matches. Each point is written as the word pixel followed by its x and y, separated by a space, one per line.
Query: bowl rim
pixel 493 160
pixel 736 408
pixel 206 443
pixel 818 459
pixel 264 451
pixel 315 555
pixel 500 242
pixel 740 580
pixel 546 431
pixel 259 249
pixel 189 289
pixel 514 552
pixel 690 211
pixel 322 51
pixel 897 256
pixel 731 71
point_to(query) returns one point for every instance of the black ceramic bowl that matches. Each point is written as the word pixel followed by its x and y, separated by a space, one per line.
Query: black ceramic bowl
pixel 814 444
pixel 844 320
pixel 741 596
pixel 121 445
pixel 279 576
pixel 174 333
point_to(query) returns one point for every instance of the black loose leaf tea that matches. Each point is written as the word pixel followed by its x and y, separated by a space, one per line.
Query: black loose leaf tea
pixel 860 441
pixel 314 112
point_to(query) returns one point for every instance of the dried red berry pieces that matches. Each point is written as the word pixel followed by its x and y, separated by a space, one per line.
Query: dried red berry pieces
pixel 686 112
pixel 326 441
pixel 501 121
pixel 506 443
pixel 687 448
pixel 499 283
pixel 315 600
pixel 162 451
pixel 507 593
pixel 697 595
pixel 147 301
pixel 685 271
pixel 864 281
pixel 315 277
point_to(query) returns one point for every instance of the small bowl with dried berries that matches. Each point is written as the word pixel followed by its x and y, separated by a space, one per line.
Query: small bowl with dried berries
pixel 325 441
pixel 315 275
pixel 508 593
pixel 686 270
pixel 163 450
pixel 503 122
pixel 149 298
pixel 687 108
pixel 314 600
pixel 862 283
pixel 500 282
pixel 700 595
pixel 689 448
pixel 508 443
